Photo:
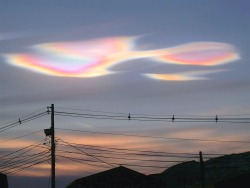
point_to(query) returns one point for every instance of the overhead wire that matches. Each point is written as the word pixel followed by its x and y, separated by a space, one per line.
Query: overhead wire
pixel 21 149
pixel 15 138
pixel 113 149
pixel 154 115
pixel 76 159
pixel 152 119
pixel 86 153
pixel 113 163
pixel 31 165
pixel 84 161
pixel 104 155
pixel 23 117
pixel 24 161
pixel 85 110
pixel 157 137
pixel 64 154
pixel 23 158
pixel 16 156
pixel 21 121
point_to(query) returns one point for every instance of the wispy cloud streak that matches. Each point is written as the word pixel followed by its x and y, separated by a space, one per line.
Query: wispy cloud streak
pixel 183 76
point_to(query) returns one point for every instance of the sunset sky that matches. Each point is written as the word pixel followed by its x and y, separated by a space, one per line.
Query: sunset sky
pixel 109 59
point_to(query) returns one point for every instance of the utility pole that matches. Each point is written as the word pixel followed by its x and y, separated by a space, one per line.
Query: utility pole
pixel 51 132
pixel 202 170
pixel 53 166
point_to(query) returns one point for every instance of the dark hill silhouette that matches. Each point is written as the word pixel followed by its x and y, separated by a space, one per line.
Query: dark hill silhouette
pixel 242 180
pixel 186 174
pixel 119 177
pixel 181 175
pixel 228 166
pixel 3 181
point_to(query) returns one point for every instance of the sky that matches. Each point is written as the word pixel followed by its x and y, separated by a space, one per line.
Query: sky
pixel 149 59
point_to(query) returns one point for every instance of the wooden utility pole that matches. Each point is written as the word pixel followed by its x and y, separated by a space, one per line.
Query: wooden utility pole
pixel 202 171
pixel 53 169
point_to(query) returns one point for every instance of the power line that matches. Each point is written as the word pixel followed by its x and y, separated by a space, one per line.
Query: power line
pixel 15 138
pixel 34 112
pixel 26 167
pixel 21 121
pixel 157 137
pixel 23 158
pixel 68 155
pixel 83 161
pixel 113 163
pixel 111 149
pixel 84 110
pixel 150 118
pixel 105 155
pixel 86 153
pixel 30 147
pixel 22 117
pixel 151 115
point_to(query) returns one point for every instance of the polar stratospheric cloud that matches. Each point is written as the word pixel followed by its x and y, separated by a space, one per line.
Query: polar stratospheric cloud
pixel 95 57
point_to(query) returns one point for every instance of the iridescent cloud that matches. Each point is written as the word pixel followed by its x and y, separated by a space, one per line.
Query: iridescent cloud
pixel 199 53
pixel 183 76
pixel 75 59
pixel 95 57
